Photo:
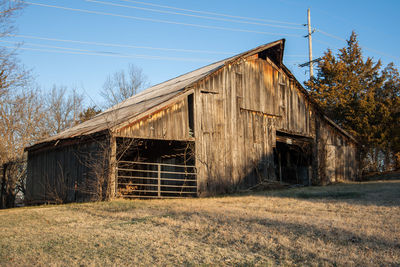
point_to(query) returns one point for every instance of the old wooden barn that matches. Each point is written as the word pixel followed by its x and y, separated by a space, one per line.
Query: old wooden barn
pixel 223 127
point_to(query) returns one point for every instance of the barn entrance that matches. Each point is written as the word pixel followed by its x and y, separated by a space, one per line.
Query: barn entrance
pixel 155 169
pixel 293 158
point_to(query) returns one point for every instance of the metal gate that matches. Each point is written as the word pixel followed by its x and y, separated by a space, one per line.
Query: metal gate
pixel 155 180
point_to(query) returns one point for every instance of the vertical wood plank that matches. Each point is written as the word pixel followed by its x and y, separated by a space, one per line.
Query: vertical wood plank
pixel 113 168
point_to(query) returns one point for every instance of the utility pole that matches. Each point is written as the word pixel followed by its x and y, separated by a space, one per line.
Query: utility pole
pixel 310 59
pixel 310 43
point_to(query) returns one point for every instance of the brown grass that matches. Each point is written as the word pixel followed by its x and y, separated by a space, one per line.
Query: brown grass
pixel 345 224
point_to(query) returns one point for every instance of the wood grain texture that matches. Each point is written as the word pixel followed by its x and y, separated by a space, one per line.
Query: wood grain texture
pixel 251 100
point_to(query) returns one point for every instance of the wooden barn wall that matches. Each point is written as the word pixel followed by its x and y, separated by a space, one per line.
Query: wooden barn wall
pixel 337 154
pixel 234 136
pixel 170 123
pixel 62 172
pixel 268 90
pixel 238 110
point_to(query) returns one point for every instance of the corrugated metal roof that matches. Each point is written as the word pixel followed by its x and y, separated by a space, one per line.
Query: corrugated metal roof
pixel 147 99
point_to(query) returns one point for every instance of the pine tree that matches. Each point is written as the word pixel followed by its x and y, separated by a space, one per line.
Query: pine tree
pixel 361 98
pixel 389 101
pixel 88 113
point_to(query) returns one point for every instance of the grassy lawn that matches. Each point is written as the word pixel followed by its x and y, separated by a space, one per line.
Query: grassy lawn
pixel 344 224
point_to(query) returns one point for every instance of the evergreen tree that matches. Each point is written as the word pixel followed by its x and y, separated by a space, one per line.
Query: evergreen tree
pixel 361 98
pixel 389 101
pixel 88 113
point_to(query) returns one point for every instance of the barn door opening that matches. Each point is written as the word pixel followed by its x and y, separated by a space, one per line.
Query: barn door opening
pixel 157 169
pixel 293 159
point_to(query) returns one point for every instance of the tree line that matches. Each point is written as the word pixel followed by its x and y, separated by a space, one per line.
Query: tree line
pixel 29 114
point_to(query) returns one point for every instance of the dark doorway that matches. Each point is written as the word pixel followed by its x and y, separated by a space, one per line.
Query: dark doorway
pixel 293 158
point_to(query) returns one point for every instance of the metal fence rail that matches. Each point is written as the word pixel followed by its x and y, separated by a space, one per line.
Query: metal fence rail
pixel 155 180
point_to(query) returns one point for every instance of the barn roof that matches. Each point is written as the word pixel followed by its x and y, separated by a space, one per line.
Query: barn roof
pixel 137 105
pixel 149 98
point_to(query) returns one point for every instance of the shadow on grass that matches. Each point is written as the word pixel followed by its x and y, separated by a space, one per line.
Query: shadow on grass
pixel 391 175
pixel 338 237
pixel 379 193
pixel 331 195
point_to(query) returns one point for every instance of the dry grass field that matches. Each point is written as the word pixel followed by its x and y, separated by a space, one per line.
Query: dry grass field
pixel 352 224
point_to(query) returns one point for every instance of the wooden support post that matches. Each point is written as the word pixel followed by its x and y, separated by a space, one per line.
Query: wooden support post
pixel 280 166
pixel 113 168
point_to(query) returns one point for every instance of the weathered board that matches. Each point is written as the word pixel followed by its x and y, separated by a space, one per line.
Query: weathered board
pixel 168 123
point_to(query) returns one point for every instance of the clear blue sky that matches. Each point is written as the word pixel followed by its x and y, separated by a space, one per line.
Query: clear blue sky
pixel 108 35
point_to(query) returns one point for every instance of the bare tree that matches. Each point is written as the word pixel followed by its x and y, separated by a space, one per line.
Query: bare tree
pixel 18 104
pixel 63 109
pixel 21 122
pixel 11 73
pixel 122 85
pixel 22 116
pixel 25 118
pixel 21 111
pixel 8 10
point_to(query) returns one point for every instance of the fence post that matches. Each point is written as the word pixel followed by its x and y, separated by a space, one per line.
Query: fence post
pixel 159 180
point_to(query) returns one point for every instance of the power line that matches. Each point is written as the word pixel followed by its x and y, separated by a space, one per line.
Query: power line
pixel 292 62
pixel 325 43
pixel 364 47
pixel 158 20
pixel 196 16
pixel 300 56
pixel 57 47
pixel 331 35
pixel 118 45
pixel 212 13
pixel 112 45
pixel 65 50
pixel 380 53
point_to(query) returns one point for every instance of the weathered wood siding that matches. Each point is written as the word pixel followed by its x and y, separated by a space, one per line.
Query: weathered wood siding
pixel 234 136
pixel 337 155
pixel 62 173
pixel 168 123
pixel 238 110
